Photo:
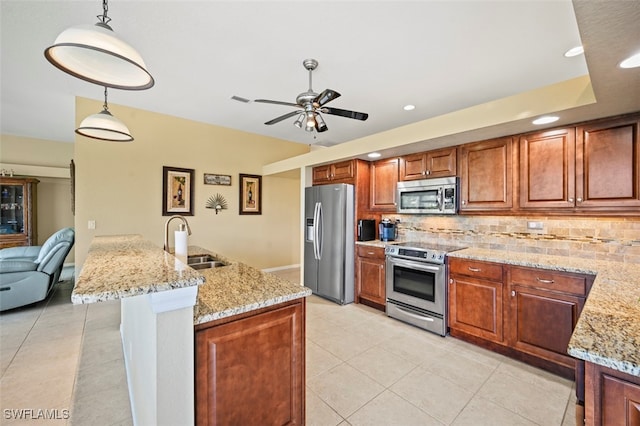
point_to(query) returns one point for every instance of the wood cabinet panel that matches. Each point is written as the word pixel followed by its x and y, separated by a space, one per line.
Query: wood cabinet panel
pixel 341 172
pixel 251 370
pixel 370 275
pixel 384 179
pixel 547 169
pixel 430 164
pixel 475 307
pixel 476 269
pixel 486 175
pixel 607 164
pixel 612 397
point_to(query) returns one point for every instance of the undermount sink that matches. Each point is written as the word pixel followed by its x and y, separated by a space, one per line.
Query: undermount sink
pixel 204 262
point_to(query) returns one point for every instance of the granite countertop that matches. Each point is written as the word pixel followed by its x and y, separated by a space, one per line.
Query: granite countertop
pixel 119 266
pixel 238 288
pixel 608 330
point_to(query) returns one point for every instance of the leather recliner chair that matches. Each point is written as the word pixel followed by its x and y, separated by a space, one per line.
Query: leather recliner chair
pixel 27 274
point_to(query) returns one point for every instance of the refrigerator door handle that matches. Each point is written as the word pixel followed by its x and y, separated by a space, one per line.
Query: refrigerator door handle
pixel 320 238
pixel 316 251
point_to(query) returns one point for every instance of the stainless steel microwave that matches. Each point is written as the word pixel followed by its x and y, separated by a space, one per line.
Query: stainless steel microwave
pixel 428 196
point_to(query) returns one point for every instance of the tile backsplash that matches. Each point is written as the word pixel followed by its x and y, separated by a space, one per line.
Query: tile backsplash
pixel 616 239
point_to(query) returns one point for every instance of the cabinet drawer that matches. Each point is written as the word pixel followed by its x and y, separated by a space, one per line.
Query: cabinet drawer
pixel 550 280
pixel 368 251
pixel 477 269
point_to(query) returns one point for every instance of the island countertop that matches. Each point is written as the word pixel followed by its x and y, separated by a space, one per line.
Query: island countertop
pixel 608 330
pixel 119 266
pixel 238 288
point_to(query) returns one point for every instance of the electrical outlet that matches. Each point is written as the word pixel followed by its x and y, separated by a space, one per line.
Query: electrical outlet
pixel 535 225
pixel 92 224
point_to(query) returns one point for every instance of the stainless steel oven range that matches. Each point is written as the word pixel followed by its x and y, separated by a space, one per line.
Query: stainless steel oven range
pixel 416 284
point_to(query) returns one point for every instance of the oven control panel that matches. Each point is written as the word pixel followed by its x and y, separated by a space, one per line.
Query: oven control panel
pixel 419 254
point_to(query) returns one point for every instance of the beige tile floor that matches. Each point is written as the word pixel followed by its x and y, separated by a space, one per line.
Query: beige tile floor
pixel 363 368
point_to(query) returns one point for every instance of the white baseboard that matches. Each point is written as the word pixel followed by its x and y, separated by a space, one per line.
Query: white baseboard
pixel 281 268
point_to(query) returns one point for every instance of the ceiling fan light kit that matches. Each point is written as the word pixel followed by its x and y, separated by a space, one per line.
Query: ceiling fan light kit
pixel 310 104
pixel 93 53
pixel 104 126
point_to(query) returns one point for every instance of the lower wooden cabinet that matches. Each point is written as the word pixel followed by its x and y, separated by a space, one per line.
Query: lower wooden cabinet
pixel 370 276
pixel 250 369
pixel 526 313
pixel 543 310
pixel 475 299
pixel 611 398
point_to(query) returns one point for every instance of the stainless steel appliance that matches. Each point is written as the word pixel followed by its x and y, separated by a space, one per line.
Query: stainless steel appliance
pixel 366 229
pixel 428 196
pixel 416 284
pixel 329 242
pixel 388 230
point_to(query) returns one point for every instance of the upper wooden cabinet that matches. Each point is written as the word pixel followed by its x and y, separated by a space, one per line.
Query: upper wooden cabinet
pixel 384 179
pixel 430 164
pixel 486 175
pixel 547 169
pixel 342 172
pixel 593 167
pixel 18 225
pixel 607 162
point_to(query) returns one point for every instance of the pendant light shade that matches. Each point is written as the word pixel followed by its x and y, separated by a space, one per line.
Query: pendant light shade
pixel 104 126
pixel 93 53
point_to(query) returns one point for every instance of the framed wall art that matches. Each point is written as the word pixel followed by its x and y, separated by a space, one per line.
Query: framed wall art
pixel 250 194
pixel 212 179
pixel 177 191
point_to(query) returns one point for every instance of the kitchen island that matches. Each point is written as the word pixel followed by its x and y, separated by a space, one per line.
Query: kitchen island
pixel 606 335
pixel 161 313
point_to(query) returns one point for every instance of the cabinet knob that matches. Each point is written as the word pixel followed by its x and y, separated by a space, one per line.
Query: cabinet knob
pixel 513 293
pixel 570 200
pixel 579 199
pixel 450 280
pixel 428 172
pixel 464 202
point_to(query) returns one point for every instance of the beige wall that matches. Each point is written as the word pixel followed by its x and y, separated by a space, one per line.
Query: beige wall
pixel 119 185
pixel 47 161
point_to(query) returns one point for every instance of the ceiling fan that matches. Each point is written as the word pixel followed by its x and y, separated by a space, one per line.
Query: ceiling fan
pixel 309 105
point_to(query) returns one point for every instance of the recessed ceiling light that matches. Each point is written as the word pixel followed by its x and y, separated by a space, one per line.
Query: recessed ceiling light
pixel 574 51
pixel 546 119
pixel 632 61
pixel 409 107
pixel 374 155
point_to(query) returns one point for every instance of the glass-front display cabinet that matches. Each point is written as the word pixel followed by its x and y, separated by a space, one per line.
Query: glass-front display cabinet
pixel 18 225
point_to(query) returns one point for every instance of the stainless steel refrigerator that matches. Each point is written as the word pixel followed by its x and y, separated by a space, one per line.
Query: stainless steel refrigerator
pixel 329 241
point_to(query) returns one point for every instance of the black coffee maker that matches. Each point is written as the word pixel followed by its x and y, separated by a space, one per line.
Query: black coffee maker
pixel 388 230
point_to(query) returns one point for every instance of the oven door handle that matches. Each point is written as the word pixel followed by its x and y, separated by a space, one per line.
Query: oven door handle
pixel 415 264
pixel 416 316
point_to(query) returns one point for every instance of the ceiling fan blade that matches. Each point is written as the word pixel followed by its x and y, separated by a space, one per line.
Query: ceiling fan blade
pixel 326 96
pixel 240 99
pixel 345 113
pixel 282 117
pixel 268 101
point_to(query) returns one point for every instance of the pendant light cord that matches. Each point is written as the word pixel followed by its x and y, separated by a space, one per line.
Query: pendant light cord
pixel 104 18
pixel 105 106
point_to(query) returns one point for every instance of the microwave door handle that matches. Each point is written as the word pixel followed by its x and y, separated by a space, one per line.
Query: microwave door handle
pixel 440 199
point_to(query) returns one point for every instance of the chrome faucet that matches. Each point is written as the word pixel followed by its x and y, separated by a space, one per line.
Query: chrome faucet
pixel 166 229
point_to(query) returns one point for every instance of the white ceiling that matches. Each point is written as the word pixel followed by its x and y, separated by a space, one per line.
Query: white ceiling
pixel 441 56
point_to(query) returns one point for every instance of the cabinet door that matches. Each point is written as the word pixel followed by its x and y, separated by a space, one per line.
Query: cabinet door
pixel 486 177
pixel 251 371
pixel 384 179
pixel 612 397
pixel 321 174
pixel 441 163
pixel 413 166
pixel 607 162
pixel 343 170
pixel 475 307
pixel 371 280
pixel 541 322
pixel 547 169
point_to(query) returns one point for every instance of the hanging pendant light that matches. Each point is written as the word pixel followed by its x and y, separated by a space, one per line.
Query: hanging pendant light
pixel 93 53
pixel 104 126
